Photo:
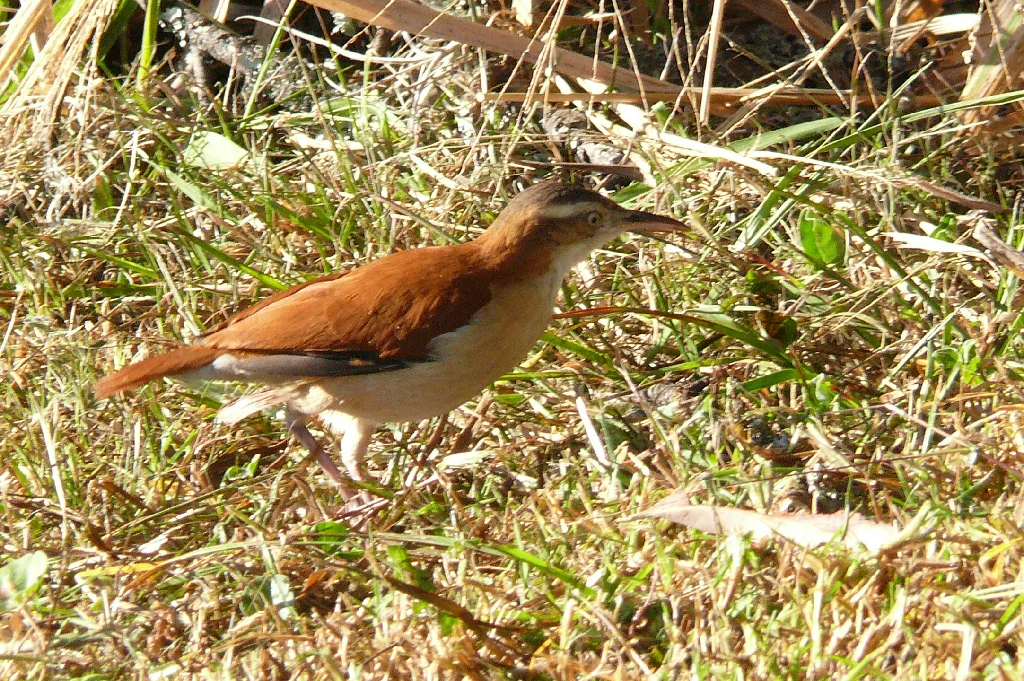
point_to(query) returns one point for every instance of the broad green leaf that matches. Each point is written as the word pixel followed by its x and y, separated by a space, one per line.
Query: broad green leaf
pixel 772 379
pixel 821 242
pixel 20 578
pixel 409 573
pixel 213 151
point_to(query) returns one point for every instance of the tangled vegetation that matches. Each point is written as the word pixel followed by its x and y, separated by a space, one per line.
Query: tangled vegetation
pixel 841 332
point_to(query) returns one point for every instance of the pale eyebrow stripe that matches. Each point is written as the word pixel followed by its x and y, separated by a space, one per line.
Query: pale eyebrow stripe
pixel 565 210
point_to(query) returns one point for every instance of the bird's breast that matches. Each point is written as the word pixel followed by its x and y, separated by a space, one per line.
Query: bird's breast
pixel 499 335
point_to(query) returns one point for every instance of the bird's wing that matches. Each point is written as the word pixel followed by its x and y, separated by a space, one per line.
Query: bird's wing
pixel 376 318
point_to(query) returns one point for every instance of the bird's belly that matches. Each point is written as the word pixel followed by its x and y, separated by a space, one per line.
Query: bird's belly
pixel 465 361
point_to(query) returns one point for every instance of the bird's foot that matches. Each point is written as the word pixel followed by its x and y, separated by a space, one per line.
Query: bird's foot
pixel 360 507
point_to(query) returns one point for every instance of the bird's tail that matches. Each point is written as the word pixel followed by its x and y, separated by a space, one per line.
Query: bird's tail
pixel 248 405
pixel 173 363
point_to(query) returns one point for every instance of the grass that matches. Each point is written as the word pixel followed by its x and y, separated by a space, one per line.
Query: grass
pixel 806 362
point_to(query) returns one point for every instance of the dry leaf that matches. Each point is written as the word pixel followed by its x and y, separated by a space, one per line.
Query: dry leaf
pixel 804 529
pixel 998 56
pixel 926 243
pixel 984 233
pixel 403 15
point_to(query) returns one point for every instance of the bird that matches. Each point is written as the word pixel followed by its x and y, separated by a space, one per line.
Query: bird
pixel 406 337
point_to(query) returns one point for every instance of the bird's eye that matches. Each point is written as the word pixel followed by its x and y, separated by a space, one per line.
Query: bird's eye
pixel 594 218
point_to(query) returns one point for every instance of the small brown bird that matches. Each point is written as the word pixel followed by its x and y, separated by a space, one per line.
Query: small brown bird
pixel 404 338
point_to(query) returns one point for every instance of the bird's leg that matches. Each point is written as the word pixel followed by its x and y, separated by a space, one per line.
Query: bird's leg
pixel 355 440
pixel 297 427
pixel 354 445
pixel 355 436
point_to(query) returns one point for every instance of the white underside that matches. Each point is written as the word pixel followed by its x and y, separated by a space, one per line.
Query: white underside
pixel 463 363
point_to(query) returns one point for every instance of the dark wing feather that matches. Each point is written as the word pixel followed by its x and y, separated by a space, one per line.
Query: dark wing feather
pixel 317 363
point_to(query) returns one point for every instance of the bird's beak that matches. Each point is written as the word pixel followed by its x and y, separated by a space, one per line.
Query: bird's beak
pixel 650 223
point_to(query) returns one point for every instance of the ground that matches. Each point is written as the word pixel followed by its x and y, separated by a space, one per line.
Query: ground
pixel 829 338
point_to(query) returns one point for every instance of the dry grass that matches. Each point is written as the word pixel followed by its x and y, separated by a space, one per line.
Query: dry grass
pixel 886 380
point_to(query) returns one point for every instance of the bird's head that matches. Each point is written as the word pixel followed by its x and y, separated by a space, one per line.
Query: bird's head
pixel 552 225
